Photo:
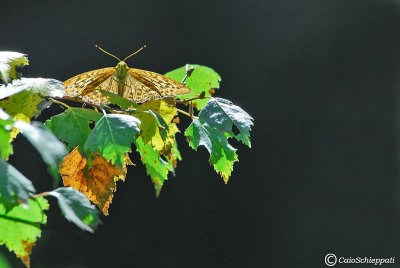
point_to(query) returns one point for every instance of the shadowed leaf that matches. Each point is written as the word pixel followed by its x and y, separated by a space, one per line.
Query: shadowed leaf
pixel 72 126
pixel 77 208
pixel 48 146
pixel 14 187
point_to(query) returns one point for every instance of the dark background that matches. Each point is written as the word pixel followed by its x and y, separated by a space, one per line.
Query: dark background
pixel 321 79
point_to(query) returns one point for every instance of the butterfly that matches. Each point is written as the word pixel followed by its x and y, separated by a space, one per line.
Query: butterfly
pixel 134 84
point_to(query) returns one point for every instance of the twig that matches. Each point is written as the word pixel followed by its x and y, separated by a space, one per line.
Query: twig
pixel 100 107
pixel 189 72
pixel 183 112
pixel 191 99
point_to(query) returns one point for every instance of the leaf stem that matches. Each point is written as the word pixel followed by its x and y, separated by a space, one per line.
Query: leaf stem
pixel 191 99
pixel 183 112
pixel 60 102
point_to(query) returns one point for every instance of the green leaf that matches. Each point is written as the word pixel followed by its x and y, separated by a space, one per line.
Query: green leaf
pixel 6 148
pixel 76 208
pixel 201 80
pixel 156 167
pixel 6 123
pixel 222 114
pixel 48 146
pixel 222 154
pixel 14 187
pixel 156 127
pixel 42 86
pixel 23 106
pixel 72 126
pixel 119 100
pixel 8 62
pixel 212 129
pixel 20 226
pixel 112 137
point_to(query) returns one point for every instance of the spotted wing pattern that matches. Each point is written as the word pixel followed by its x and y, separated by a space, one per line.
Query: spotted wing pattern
pixel 159 85
pixel 85 85
pixel 140 86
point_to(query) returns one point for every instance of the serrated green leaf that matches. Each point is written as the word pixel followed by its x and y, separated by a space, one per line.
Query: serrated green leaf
pixel 8 62
pixel 76 208
pixel 23 106
pixel 119 100
pixel 212 129
pixel 156 167
pixel 222 114
pixel 20 226
pixel 48 146
pixel 154 120
pixel 42 86
pixel 112 137
pixel 202 79
pixel 222 154
pixel 72 126
pixel 14 187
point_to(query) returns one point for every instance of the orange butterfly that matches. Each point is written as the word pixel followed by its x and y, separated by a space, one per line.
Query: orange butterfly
pixel 134 84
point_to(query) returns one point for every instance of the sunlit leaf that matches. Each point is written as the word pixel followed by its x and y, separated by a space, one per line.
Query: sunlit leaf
pixel 43 86
pixel 8 62
pixel 223 115
pixel 202 79
pixel 156 127
pixel 112 137
pixel 156 167
pixel 95 177
pixel 20 226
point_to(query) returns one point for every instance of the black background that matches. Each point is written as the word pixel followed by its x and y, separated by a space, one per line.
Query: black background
pixel 320 78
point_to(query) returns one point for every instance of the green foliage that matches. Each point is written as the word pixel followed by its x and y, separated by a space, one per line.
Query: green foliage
pixel 99 145
pixel 14 187
pixel 201 80
pixel 8 62
pixel 20 226
pixel 156 167
pixel 212 129
pixel 72 126
pixel 48 146
pixel 76 208
pixel 112 136
pixel 42 86
pixel 222 114
pixel 6 122
pixel 119 100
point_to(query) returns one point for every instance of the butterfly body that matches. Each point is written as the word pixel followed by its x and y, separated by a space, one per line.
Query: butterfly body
pixel 134 84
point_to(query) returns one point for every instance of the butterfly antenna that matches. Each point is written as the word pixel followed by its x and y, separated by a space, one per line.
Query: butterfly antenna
pixel 135 52
pixel 107 52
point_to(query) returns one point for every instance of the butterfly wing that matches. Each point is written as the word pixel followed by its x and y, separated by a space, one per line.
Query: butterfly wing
pixel 86 85
pixel 158 86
